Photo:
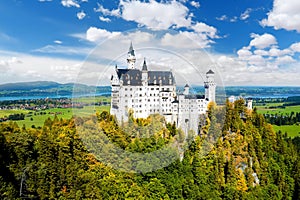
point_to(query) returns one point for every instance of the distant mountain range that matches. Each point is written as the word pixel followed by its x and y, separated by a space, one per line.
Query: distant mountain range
pixel 49 88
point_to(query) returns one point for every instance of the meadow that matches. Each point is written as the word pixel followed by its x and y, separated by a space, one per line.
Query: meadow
pixel 38 118
pixel 291 130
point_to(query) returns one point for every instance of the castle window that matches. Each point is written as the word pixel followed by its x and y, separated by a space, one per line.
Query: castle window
pixel 125 89
pixel 152 88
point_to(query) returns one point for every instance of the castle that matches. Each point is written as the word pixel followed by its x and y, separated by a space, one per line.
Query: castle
pixel 147 92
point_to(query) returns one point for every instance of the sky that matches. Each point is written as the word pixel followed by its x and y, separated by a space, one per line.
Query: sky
pixel 246 42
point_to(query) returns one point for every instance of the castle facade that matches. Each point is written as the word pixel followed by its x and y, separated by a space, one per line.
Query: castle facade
pixel 146 92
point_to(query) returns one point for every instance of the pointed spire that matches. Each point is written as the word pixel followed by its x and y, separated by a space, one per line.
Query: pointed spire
pixel 210 72
pixel 131 50
pixel 144 66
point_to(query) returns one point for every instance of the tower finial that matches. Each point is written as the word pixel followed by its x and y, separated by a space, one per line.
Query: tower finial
pixel 131 50
pixel 144 65
pixel 131 57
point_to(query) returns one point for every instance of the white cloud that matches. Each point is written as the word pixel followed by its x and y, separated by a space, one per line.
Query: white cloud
pixel 295 47
pixel 284 15
pixel 244 53
pixel 70 3
pixel 275 52
pixel 94 34
pixel 285 60
pixel 200 27
pixel 156 15
pixel 185 39
pixel 233 19
pixel 195 4
pixel 107 12
pixel 245 15
pixel 58 49
pixel 25 67
pixel 222 18
pixel 81 15
pixel 104 19
pixel 57 42
pixel 261 52
pixel 262 41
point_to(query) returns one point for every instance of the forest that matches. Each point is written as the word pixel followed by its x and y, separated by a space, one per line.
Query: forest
pixel 72 158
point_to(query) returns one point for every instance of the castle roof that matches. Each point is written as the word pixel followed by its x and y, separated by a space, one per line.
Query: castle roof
pixel 192 96
pixel 131 51
pixel 210 72
pixel 144 66
pixel 133 77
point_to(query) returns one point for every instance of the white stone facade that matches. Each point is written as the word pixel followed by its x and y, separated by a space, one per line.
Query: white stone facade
pixel 148 92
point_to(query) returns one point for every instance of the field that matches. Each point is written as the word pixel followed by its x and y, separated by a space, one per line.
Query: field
pixel 38 118
pixel 291 130
pixel 4 113
pixel 286 110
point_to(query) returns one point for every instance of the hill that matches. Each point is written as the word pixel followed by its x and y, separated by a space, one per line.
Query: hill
pixel 48 88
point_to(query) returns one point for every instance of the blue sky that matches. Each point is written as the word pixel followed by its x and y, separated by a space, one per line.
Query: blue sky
pixel 246 42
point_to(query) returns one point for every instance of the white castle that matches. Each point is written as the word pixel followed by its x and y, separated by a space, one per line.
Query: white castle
pixel 146 92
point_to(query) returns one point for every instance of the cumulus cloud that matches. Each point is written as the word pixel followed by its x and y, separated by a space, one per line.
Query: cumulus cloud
pixel 57 42
pixel 104 19
pixel 70 3
pixel 295 47
pixel 222 18
pixel 25 67
pixel 285 60
pixel 245 15
pixel 262 41
pixel 94 34
pixel 106 11
pixel 195 4
pixel 244 53
pixel 156 15
pixel 284 15
pixel 185 39
pixel 81 15
pixel 200 27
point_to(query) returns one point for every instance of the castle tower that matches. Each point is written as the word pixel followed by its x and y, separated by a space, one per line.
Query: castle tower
pixel 210 86
pixel 115 89
pixel 249 104
pixel 131 57
pixel 186 89
pixel 145 73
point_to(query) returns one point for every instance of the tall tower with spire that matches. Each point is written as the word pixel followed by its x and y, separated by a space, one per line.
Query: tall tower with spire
pixel 210 86
pixel 131 57
pixel 145 73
